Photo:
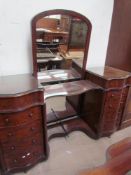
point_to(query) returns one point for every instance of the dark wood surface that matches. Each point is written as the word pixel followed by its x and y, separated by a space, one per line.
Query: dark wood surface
pixel 108 77
pixel 69 88
pixel 119 162
pixel 16 85
pixel 119 46
pixel 62 12
pixel 109 73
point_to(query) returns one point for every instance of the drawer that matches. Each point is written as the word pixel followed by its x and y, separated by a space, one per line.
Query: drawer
pixel 21 101
pixel 22 145
pixel 115 83
pixel 25 158
pixel 17 133
pixel 19 118
pixel 113 96
pixel 110 116
pixel 110 111
pixel 112 101
pixel 109 126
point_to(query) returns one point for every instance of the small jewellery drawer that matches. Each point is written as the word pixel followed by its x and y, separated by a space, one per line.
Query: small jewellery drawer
pixel 23 145
pixel 18 118
pixel 25 157
pixel 21 132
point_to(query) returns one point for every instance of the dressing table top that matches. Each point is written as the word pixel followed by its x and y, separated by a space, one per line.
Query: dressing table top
pixel 15 85
pixel 109 73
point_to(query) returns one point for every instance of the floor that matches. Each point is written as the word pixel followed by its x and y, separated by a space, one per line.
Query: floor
pixel 73 154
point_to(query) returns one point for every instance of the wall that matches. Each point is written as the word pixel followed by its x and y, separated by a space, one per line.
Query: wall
pixel 15 30
pixel 119 48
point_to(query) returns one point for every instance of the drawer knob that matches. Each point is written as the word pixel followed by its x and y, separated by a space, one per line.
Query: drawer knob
pixel 32 129
pixel 12 147
pixel 110 106
pixel 7 120
pixel 31 115
pixel 15 161
pixel 10 134
pixel 33 141
pixel 112 95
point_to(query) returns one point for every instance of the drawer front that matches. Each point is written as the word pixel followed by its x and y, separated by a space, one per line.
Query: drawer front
pixel 24 152
pixel 21 145
pixel 115 83
pixel 21 102
pixel 112 97
pixel 110 111
pixel 19 118
pixel 23 159
pixel 11 134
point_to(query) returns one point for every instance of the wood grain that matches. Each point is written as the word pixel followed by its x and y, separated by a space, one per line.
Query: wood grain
pixel 119 162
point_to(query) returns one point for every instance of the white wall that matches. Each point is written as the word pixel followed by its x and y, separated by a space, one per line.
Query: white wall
pixel 15 30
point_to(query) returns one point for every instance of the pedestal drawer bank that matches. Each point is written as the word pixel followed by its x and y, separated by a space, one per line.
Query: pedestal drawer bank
pixel 23 138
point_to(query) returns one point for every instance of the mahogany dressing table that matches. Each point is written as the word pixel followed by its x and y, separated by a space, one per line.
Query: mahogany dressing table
pixel 95 103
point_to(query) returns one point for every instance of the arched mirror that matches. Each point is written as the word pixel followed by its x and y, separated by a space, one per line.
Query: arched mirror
pixel 60 42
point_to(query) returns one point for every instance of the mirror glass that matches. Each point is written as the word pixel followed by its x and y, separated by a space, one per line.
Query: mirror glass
pixel 60 41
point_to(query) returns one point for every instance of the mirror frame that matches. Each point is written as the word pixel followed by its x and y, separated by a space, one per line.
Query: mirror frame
pixel 57 12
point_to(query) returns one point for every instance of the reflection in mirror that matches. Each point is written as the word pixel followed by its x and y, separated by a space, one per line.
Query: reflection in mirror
pixel 61 40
